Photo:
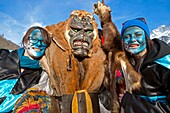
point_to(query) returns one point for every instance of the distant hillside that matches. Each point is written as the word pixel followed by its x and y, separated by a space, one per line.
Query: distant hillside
pixel 7 44
pixel 162 33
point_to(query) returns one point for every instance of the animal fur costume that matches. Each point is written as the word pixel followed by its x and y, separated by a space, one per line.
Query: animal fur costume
pixel 75 77
pixel 115 56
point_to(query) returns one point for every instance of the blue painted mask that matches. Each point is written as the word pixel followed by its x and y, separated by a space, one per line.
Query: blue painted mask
pixel 134 39
pixel 35 45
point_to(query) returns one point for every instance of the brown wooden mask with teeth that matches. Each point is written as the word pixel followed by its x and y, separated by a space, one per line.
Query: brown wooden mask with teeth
pixel 81 33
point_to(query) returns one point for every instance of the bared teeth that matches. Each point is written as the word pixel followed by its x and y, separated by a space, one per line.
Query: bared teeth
pixel 85 44
pixel 79 43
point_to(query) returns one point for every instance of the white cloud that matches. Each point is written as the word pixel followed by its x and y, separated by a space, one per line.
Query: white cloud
pixel 10 28
pixel 13 29
pixel 34 24
pixel 37 24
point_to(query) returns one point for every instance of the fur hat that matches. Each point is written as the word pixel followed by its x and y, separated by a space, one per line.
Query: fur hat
pixel 139 22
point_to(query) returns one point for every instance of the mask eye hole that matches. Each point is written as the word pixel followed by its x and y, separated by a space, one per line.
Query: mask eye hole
pixel 75 29
pixel 88 31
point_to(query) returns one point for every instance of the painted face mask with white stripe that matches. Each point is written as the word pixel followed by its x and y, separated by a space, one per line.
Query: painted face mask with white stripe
pixel 35 45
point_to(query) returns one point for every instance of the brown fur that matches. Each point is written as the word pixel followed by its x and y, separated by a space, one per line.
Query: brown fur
pixel 68 74
pixel 116 56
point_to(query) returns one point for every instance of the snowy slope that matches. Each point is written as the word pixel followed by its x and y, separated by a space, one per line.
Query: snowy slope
pixel 162 33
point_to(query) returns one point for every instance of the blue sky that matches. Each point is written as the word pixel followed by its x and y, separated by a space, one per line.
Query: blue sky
pixel 16 16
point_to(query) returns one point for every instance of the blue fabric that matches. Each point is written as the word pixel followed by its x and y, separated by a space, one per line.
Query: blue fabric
pixel 164 61
pixel 135 22
pixel 26 62
pixel 154 99
pixel 5 88
pixel 8 104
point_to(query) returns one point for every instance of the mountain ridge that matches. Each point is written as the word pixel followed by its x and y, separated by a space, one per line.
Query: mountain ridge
pixel 7 44
pixel 162 33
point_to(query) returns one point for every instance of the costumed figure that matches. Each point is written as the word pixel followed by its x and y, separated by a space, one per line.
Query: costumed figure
pixel 20 69
pixel 116 58
pixel 75 63
pixel 150 58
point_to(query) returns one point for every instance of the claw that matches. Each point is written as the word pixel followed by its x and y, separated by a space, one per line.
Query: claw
pixel 102 10
pixel 99 7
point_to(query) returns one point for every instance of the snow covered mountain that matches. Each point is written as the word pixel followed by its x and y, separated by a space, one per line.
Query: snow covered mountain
pixel 162 32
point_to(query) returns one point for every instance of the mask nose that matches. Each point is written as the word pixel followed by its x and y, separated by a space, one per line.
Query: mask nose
pixel 40 43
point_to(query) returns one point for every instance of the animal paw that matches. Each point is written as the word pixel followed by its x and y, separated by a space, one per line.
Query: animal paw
pixel 102 11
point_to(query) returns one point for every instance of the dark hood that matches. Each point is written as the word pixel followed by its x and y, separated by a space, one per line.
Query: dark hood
pixel 158 50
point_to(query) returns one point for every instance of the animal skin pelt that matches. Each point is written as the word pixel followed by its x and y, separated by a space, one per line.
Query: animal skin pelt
pixel 69 73
pixel 116 56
